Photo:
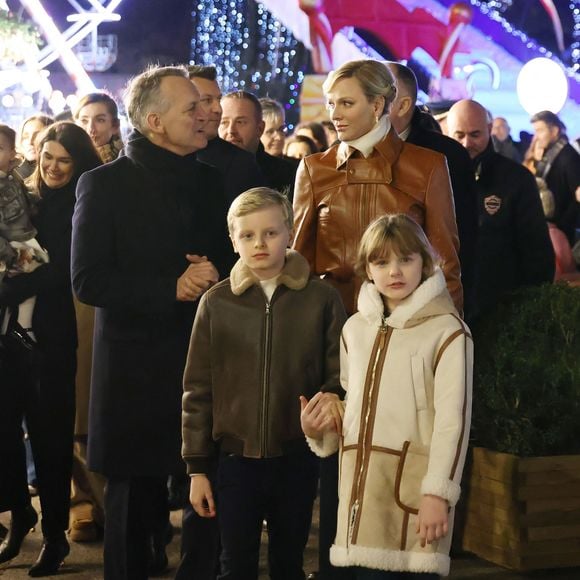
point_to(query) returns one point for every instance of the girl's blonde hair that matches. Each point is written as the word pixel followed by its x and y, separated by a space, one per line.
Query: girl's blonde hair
pixel 375 79
pixel 396 233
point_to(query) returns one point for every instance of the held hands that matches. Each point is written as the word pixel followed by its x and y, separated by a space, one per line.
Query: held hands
pixel 432 521
pixel 324 412
pixel 198 277
pixel 201 496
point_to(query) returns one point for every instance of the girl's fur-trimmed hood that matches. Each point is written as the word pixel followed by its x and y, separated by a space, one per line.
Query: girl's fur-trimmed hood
pixel 430 298
pixel 294 274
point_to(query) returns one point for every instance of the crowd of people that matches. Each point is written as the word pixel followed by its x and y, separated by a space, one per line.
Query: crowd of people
pixel 173 319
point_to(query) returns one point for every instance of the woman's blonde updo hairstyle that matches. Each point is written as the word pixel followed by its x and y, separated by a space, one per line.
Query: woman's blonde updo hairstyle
pixel 375 79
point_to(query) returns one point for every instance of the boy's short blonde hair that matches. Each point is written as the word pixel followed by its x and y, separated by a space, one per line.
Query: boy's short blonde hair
pixel 396 233
pixel 256 199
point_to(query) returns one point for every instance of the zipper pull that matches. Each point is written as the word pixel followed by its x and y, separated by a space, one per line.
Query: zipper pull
pixel 267 308
pixel 352 519
pixel 384 324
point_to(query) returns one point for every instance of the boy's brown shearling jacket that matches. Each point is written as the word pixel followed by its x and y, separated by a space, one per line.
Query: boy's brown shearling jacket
pixel 337 196
pixel 249 361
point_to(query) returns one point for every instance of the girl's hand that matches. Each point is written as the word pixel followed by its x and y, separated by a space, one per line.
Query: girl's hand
pixel 432 521
pixel 322 413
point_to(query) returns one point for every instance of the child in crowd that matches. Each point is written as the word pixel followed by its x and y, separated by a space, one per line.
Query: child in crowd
pixel 261 338
pixel 19 250
pixel 406 366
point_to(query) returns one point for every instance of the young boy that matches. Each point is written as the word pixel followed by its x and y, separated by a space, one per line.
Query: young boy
pixel 261 338
pixel 19 250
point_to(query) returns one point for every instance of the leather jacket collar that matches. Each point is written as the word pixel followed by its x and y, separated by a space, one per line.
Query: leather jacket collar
pixel 389 148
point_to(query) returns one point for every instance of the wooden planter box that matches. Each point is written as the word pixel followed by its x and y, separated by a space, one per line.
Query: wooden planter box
pixel 523 514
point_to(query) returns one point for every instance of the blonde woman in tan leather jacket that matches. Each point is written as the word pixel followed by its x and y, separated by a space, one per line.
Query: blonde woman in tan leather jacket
pixel 369 173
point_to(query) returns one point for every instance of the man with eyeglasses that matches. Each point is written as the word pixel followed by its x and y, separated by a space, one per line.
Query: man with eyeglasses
pixel 238 167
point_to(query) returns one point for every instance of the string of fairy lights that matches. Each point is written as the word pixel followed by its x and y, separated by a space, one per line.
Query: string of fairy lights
pixel 575 46
pixel 495 10
pixel 251 51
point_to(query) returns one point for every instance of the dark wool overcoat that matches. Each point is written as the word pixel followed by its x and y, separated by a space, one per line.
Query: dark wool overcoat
pixel 134 222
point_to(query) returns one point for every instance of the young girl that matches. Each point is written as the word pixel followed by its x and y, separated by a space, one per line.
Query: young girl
pixel 406 365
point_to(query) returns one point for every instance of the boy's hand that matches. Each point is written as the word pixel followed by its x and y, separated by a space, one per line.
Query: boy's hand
pixel 201 496
pixel 322 413
pixel 432 521
pixel 198 277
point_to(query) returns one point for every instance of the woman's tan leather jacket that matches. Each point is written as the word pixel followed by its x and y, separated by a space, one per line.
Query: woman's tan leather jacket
pixel 337 196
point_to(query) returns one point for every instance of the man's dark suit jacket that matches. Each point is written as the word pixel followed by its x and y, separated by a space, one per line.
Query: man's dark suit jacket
pixel 464 196
pixel 562 180
pixel 238 167
pixel 279 172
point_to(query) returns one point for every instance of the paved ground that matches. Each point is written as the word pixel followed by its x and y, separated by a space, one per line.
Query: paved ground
pixel 85 561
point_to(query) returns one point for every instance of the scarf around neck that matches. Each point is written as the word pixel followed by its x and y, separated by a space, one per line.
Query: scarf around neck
pixel 545 164
pixel 366 142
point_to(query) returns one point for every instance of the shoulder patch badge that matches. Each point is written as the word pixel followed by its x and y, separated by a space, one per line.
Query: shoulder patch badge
pixel 492 203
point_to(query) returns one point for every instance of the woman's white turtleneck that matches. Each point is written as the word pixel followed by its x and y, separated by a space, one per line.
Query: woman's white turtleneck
pixel 366 142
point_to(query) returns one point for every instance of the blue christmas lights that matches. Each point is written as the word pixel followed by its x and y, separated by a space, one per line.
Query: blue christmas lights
pixel 250 49
pixel 494 10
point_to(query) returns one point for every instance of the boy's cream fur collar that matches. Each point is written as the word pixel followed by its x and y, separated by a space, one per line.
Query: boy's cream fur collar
pixel 294 275
pixel 431 298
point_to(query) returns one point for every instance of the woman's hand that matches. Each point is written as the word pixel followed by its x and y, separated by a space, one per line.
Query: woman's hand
pixel 324 412
pixel 432 521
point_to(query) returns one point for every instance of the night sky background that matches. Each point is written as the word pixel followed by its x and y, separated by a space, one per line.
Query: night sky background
pixel 149 31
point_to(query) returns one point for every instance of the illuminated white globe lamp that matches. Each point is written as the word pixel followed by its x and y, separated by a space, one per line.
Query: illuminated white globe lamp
pixel 542 86
pixel 8 101
pixel 27 102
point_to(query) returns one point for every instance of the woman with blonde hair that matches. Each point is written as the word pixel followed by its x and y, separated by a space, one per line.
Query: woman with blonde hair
pixel 339 192
pixel 369 173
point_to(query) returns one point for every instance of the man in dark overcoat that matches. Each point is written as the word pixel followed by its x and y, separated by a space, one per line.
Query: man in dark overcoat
pixel 559 167
pixel 514 247
pixel 149 238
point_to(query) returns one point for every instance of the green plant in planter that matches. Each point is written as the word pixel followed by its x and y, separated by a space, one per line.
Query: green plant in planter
pixel 526 397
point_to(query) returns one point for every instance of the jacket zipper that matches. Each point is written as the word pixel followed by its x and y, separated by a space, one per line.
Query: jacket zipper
pixel 354 519
pixel 265 385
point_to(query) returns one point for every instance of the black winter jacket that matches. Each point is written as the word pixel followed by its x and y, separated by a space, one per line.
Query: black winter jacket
pixel 514 244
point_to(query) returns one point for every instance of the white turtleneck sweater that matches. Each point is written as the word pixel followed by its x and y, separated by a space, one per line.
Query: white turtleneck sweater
pixel 366 142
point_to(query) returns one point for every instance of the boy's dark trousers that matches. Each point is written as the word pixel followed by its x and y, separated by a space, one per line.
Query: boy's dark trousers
pixel 280 490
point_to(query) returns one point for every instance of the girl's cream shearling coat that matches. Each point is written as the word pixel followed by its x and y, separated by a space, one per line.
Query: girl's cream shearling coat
pixel 408 379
